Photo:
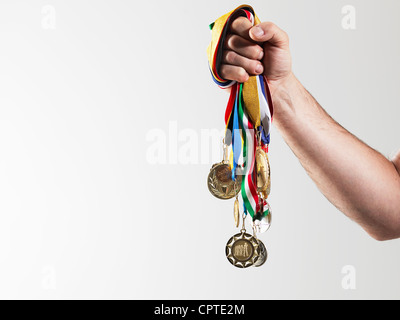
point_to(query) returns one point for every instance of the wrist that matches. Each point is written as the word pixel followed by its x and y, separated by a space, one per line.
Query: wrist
pixel 283 94
pixel 282 87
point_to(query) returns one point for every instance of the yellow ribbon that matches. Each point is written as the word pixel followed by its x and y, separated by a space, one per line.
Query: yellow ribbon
pixel 250 91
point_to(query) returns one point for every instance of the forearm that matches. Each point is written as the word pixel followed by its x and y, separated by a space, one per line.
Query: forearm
pixel 358 180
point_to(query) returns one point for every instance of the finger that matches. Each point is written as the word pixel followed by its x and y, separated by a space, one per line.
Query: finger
pixel 269 32
pixel 244 47
pixel 241 27
pixel 235 73
pixel 252 67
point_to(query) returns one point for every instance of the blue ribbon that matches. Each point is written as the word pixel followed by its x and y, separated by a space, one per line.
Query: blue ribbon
pixel 265 139
pixel 236 138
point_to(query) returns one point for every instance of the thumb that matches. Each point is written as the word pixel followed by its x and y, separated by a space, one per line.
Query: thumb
pixel 269 32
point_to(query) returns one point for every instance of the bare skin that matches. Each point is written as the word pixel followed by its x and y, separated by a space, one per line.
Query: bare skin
pixel 359 181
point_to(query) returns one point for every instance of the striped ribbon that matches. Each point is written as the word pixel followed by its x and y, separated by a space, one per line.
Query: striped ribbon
pixel 249 111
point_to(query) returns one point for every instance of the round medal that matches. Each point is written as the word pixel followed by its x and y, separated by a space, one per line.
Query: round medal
pixel 220 182
pixel 262 220
pixel 261 226
pixel 267 191
pixel 243 250
pixel 263 254
pixel 263 170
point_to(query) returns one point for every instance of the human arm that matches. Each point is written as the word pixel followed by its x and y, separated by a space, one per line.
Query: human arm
pixel 358 180
pixel 396 162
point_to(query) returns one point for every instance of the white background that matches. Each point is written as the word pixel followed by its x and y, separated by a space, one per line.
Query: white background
pixel 83 214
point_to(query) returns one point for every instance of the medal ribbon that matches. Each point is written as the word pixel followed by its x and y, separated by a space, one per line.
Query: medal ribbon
pixel 249 110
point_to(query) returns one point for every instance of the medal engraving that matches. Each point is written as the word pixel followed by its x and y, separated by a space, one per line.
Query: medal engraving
pixel 220 182
pixel 242 250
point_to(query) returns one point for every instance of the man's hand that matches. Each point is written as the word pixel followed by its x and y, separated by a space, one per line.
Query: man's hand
pixel 255 50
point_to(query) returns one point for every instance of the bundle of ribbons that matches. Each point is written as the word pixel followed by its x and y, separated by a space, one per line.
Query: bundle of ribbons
pixel 248 114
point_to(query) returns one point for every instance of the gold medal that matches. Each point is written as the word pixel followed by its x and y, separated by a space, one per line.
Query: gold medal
pixel 243 250
pixel 220 181
pixel 263 170
pixel 267 191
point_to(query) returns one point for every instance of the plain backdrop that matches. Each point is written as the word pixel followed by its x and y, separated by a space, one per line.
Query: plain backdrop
pixel 84 214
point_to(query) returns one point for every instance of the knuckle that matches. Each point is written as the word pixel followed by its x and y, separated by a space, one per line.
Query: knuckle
pixel 239 22
pixel 256 53
pixel 233 41
pixel 231 57
pixel 228 41
pixel 282 33
pixel 285 36
pixel 223 73
pixel 241 75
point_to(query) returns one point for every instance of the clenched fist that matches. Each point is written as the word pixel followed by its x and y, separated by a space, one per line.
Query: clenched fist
pixel 253 50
